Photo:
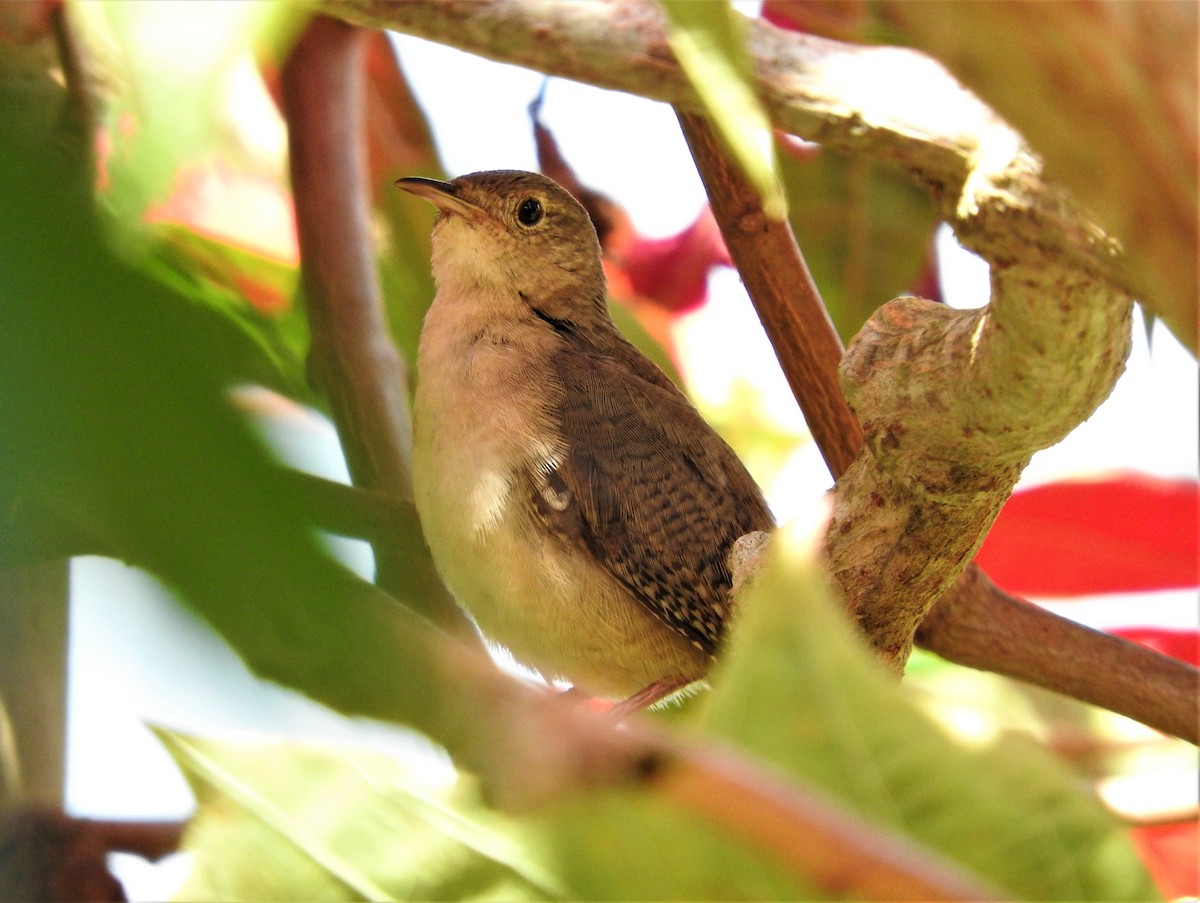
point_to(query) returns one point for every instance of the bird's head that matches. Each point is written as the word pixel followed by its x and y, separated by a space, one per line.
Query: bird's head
pixel 518 234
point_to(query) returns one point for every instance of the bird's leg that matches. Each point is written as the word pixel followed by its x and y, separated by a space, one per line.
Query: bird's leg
pixel 647 696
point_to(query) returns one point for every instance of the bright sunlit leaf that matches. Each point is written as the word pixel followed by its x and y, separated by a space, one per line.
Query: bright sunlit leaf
pixel 708 41
pixel 283 819
pixel 174 64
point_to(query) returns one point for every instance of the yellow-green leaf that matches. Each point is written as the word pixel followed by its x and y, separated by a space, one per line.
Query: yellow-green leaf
pixel 707 37
pixel 798 686
pixel 284 819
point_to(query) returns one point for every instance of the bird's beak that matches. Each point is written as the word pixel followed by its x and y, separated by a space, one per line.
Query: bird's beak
pixel 443 195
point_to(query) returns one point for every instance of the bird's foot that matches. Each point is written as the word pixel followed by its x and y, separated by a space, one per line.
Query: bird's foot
pixel 647 696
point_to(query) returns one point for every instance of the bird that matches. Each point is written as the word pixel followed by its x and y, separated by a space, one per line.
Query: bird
pixel 574 501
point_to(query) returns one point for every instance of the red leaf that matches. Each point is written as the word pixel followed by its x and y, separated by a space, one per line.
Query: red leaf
pixel 673 272
pixel 841 19
pixel 1170 853
pixel 1124 534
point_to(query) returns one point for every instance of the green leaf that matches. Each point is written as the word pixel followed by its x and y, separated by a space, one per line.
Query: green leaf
pixel 635 331
pixel 164 109
pixel 627 846
pixel 115 419
pixel 708 39
pixel 247 344
pixel 404 276
pixel 400 144
pixel 289 820
pixel 168 68
pixel 798 687
pixel 866 231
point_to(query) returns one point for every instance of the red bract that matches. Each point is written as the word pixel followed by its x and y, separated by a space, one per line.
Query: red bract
pixel 845 20
pixel 1127 533
pixel 1169 852
pixel 673 272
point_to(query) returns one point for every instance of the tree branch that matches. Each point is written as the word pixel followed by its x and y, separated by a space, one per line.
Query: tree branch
pixel 47 855
pixel 812 836
pixel 953 404
pixel 1156 690
pixel 821 90
pixel 784 295
pixel 978 625
pixel 352 359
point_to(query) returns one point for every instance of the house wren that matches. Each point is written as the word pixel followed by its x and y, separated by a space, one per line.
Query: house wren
pixel 574 501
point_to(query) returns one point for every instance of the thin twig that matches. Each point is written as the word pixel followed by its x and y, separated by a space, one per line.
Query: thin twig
pixel 784 294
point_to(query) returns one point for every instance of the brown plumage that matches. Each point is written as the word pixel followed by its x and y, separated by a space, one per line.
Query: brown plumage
pixel 574 500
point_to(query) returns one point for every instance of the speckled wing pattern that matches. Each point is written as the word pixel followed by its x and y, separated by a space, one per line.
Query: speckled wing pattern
pixel 648 488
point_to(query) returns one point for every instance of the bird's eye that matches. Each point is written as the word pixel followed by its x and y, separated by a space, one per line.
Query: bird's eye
pixel 530 212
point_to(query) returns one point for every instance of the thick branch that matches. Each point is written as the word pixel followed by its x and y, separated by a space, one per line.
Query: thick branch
pixel 352 359
pixel 978 625
pixel 883 103
pixel 953 404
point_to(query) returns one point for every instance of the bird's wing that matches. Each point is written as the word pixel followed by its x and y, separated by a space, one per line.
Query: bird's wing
pixel 649 489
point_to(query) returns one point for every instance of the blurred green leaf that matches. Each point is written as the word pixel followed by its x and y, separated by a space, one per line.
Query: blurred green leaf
pixel 625 846
pixel 171 144
pixel 115 418
pixel 866 231
pixel 286 820
pixel 167 68
pixel 404 276
pixel 635 331
pixel 798 687
pixel 173 160
pixel 220 278
pixel 708 39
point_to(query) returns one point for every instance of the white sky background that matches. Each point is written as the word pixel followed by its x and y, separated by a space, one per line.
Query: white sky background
pixel 135 657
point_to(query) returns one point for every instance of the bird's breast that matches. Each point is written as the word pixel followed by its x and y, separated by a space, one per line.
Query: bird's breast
pixel 483 416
